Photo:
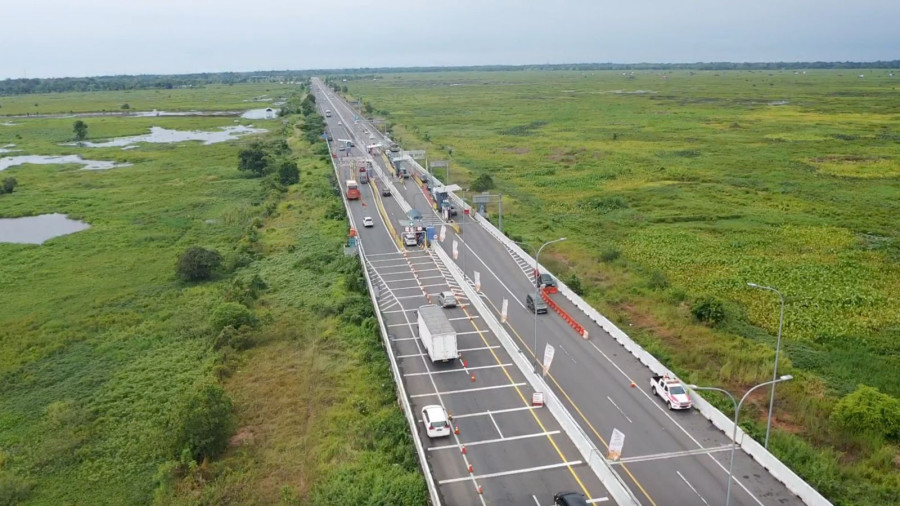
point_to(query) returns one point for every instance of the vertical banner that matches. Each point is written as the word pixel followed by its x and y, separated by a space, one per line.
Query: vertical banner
pixel 443 232
pixel 549 352
pixel 455 250
pixel 616 442
pixel 477 281
pixel 503 310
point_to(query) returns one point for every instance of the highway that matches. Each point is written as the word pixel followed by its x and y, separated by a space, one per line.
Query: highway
pixel 517 452
pixel 669 457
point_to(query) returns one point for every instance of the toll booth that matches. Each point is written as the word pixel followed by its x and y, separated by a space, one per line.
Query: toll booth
pixel 417 228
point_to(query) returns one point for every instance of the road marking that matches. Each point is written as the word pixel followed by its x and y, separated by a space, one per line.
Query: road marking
pixel 535 500
pixel 496 411
pixel 456 370
pixel 495 424
pixel 491 441
pixel 620 409
pixel 460 350
pixel 598 499
pixel 691 487
pixel 451 392
pixel 670 455
pixel 467 318
pixel 518 471
pixel 567 353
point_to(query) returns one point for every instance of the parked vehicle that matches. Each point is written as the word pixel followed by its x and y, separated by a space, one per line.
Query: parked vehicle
pixel 672 391
pixel 437 423
pixel 570 499
pixel 437 334
pixel 368 222
pixel 409 239
pixel 545 280
pixel 446 299
pixel 414 214
pixel 535 305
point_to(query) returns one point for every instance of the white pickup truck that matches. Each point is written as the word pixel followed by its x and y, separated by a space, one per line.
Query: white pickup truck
pixel 672 391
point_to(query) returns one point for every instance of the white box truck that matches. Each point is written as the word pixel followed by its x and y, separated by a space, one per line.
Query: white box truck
pixel 437 334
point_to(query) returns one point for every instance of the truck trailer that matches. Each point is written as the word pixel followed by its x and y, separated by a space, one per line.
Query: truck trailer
pixel 437 334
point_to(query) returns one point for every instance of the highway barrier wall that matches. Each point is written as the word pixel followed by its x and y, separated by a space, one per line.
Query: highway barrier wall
pixel 756 451
pixel 402 398
pixel 591 455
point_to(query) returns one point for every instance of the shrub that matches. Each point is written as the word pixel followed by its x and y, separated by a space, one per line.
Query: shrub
pixel 709 310
pixel 202 424
pixel 232 314
pixel 288 173
pixel 574 283
pixel 236 339
pixel 482 183
pixel 867 410
pixel 658 281
pixel 13 489
pixel 610 254
pixel 198 264
pixel 252 159
pixel 9 184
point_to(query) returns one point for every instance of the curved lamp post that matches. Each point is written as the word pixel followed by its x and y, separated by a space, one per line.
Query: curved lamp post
pixel 777 349
pixel 737 411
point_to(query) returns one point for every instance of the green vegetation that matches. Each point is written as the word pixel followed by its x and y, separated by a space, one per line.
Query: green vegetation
pixel 123 382
pixel 677 187
pixel 80 128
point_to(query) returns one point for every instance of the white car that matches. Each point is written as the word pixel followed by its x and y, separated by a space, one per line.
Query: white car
pixel 446 299
pixel 368 222
pixel 409 239
pixel 436 422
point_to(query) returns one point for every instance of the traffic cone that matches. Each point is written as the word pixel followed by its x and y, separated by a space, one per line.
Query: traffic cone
pixel 473 378
pixel 470 468
pixel 633 385
pixel 463 450
pixel 479 489
pixel 465 363
pixel 456 430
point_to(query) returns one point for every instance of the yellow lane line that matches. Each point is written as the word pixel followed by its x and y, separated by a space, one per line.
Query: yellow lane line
pixel 384 215
pixel 578 410
pixel 525 401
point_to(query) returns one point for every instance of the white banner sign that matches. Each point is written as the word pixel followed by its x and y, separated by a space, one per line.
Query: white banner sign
pixel 455 249
pixel 616 442
pixel 503 310
pixel 416 154
pixel 549 352
pixel 477 281
pixel 443 232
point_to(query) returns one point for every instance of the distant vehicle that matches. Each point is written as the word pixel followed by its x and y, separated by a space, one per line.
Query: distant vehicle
pixel 672 391
pixel 414 214
pixel 445 204
pixel 363 175
pixel 545 280
pixel 352 190
pixel 385 191
pixel 404 172
pixel 340 123
pixel 437 424
pixel 437 334
pixel 395 148
pixel 341 148
pixel 368 222
pixel 328 113
pixel 409 239
pixel 345 142
pixel 570 499
pixel 446 299
pixel 537 306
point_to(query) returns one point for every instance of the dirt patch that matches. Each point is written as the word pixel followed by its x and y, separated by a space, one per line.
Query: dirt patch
pixel 845 158
pixel 517 150
pixel 566 156
pixel 243 436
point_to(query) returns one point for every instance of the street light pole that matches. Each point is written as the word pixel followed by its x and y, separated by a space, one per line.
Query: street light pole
pixel 537 295
pixel 737 412
pixel 777 349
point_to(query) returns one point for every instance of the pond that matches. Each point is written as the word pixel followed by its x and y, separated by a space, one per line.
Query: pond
pixel 37 229
pixel 12 161
pixel 267 113
pixel 164 135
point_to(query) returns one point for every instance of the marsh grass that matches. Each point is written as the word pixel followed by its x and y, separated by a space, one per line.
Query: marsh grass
pixel 678 185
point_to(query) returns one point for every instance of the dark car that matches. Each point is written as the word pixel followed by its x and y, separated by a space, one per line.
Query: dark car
pixel 385 191
pixel 569 499
pixel 535 305
pixel 546 280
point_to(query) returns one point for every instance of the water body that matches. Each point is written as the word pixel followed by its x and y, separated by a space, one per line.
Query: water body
pixel 144 114
pixel 12 161
pixel 6 149
pixel 267 113
pixel 37 229
pixel 164 135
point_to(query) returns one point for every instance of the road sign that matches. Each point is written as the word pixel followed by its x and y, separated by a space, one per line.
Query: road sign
pixel 549 352
pixel 416 154
pixel 616 442
pixel 438 163
pixel 481 199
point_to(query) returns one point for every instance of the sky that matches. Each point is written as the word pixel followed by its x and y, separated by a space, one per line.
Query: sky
pixel 66 38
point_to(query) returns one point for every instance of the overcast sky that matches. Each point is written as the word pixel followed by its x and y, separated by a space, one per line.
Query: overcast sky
pixel 56 38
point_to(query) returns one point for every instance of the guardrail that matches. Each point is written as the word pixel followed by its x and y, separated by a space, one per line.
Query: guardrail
pixel 402 398
pixel 756 451
pixel 595 460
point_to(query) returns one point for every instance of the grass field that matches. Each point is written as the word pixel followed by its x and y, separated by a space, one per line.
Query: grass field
pixel 679 186
pixel 215 97
pixel 102 347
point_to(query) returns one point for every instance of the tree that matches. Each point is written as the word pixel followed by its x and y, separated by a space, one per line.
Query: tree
pixel 709 310
pixel 252 159
pixel 232 314
pixel 198 264
pixel 482 183
pixel 8 185
pixel 288 173
pixel 126 106
pixel 368 107
pixel 80 129
pixel 202 424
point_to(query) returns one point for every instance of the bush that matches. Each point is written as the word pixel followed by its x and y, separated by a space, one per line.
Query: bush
pixel 202 424
pixel 574 283
pixel 252 159
pixel 709 310
pixel 9 184
pixel 198 264
pixel 867 410
pixel 288 173
pixel 236 339
pixel 610 254
pixel 482 183
pixel 232 314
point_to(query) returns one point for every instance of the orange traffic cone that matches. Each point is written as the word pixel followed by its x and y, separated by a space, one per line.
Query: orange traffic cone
pixel 473 378
pixel 463 450
pixel 456 430
pixel 470 468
